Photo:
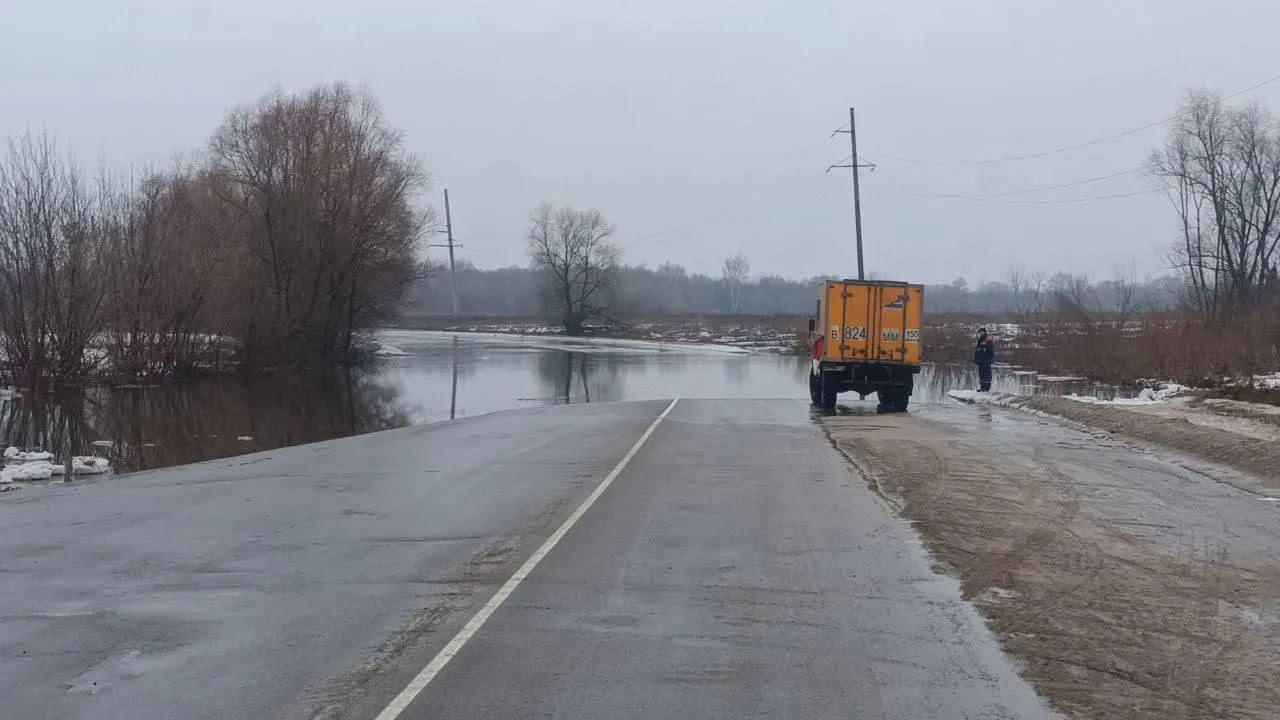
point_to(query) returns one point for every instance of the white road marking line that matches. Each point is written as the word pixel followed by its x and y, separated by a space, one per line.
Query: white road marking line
pixel 428 673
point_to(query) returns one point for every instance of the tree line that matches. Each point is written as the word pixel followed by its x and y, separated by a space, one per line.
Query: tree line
pixel 641 291
pixel 280 244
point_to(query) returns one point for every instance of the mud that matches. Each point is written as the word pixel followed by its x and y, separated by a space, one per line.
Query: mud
pixel 1125 585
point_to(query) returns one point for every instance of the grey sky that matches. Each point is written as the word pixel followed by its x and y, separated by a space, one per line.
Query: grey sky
pixel 638 108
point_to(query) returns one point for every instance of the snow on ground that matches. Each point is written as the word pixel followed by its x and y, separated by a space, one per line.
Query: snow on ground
pixel 14 455
pixel 997 399
pixel 26 472
pixel 1166 392
pixel 1254 420
pixel 1267 381
pixel 384 350
pixel 1244 419
pixel 31 466
pixel 1148 396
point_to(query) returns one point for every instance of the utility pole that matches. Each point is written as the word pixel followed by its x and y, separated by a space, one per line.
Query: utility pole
pixel 857 197
pixel 448 228
pixel 448 231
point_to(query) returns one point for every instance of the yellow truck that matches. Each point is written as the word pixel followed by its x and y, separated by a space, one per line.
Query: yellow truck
pixel 866 338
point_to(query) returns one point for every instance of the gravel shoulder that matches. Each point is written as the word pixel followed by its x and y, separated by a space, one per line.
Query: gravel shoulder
pixel 1128 583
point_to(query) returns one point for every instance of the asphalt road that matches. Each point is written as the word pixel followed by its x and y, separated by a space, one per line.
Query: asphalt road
pixel 735 567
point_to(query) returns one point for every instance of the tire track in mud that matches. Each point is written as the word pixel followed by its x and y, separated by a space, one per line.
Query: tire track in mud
pixel 1079 559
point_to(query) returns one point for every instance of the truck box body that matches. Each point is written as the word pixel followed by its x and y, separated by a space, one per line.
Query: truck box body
pixel 871 321
pixel 866 339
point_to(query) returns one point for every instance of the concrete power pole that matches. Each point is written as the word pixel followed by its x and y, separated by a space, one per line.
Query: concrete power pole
pixel 453 277
pixel 857 197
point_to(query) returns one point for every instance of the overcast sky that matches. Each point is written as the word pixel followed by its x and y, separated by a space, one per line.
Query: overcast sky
pixel 700 127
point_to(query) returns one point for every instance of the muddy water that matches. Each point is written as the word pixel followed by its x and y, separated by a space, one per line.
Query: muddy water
pixel 439 377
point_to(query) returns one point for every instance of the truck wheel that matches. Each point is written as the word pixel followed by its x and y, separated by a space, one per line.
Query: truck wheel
pixel 893 400
pixel 815 388
pixel 828 399
pixel 886 400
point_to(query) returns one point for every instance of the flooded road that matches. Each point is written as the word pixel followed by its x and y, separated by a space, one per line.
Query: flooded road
pixel 439 376
pixel 716 559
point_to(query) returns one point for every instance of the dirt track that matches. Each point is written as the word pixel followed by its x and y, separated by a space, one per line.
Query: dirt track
pixel 1127 585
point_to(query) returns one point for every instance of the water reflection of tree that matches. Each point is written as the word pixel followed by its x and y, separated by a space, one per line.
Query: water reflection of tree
pixel 202 420
pixel 46 422
pixel 736 371
pixel 568 376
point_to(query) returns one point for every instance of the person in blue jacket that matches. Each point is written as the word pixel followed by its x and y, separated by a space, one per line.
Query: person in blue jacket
pixel 985 356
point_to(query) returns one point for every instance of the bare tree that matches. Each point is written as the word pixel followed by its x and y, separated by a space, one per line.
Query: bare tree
pixel 735 274
pixel 1125 301
pixel 54 227
pixel 1075 298
pixel 573 253
pixel 1221 169
pixel 317 210
pixel 159 292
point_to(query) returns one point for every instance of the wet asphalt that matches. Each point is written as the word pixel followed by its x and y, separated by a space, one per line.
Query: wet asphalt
pixel 737 567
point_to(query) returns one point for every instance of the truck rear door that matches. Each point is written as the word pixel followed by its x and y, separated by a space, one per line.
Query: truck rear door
pixel 848 320
pixel 897 332
pixel 873 321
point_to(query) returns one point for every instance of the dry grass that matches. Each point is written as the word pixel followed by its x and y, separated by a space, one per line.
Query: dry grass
pixel 1184 349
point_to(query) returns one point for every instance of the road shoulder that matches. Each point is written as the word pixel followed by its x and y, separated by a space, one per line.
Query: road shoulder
pixel 1124 584
pixel 1244 436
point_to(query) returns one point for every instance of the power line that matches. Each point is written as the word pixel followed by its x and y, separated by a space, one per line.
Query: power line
pixel 733 209
pixel 745 218
pixel 1068 201
pixel 1065 148
pixel 1023 191
pixel 733 181
pixel 1059 201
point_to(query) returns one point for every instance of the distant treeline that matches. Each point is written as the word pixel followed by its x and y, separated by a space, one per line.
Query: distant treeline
pixel 670 289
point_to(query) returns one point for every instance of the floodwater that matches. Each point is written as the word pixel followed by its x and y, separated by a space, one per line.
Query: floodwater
pixel 439 377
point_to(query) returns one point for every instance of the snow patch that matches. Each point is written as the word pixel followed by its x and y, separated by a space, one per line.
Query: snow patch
pixel 14 455
pixel 1267 381
pixel 245 438
pixel 1146 397
pixel 996 399
pixel 385 350
pixel 26 472
pixel 89 465
pixel 31 466
pixel 997 595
